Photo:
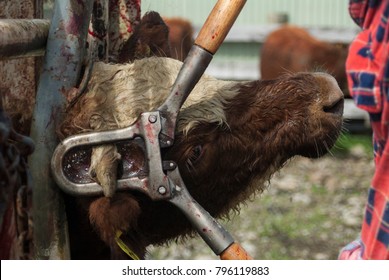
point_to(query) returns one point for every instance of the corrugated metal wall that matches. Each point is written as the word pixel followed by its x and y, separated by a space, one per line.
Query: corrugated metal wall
pixel 310 13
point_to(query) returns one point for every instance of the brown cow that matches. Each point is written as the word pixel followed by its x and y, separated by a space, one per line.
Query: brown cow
pixel 292 49
pixel 230 138
pixel 180 37
pixel 149 39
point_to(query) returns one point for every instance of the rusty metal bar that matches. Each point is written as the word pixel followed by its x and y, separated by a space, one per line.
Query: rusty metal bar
pixel 111 26
pixel 124 15
pixel 23 37
pixel 62 63
pixel 98 30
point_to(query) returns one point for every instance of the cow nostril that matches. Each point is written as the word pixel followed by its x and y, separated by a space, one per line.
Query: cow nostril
pixel 335 108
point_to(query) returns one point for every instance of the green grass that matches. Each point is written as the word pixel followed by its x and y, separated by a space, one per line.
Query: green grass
pixel 319 190
pixel 347 142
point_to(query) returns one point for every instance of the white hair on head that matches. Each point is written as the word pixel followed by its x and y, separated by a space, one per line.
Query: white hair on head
pixel 127 90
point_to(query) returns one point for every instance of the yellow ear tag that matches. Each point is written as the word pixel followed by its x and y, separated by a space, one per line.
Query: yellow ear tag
pixel 124 247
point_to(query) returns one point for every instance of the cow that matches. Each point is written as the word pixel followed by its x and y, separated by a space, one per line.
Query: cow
pixel 180 36
pixel 292 49
pixel 230 138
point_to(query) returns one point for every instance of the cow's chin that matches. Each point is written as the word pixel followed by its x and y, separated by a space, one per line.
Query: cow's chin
pixel 314 152
pixel 320 146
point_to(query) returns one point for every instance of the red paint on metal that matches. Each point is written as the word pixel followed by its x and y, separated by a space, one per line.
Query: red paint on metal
pixel 124 15
pixel 74 23
pixel 95 34
pixel 150 133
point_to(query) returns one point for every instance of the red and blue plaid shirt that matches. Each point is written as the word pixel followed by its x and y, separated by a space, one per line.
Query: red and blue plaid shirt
pixel 368 79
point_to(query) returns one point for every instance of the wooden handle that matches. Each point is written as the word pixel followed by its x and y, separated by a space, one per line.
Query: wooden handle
pixel 218 24
pixel 235 252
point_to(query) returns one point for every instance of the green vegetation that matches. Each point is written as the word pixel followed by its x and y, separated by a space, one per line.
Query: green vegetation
pixel 349 142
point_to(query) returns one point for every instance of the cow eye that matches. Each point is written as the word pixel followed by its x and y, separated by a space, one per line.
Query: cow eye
pixel 196 154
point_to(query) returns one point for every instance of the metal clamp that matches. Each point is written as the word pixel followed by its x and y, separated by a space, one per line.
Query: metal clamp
pixel 148 127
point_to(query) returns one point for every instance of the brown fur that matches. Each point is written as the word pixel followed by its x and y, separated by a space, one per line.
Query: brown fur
pixel 222 163
pixel 150 38
pixel 293 49
pixel 180 37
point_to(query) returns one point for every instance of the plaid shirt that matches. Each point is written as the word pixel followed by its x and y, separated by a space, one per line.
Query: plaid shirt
pixel 368 79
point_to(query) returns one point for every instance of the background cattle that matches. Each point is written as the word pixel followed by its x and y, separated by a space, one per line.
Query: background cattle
pixel 292 49
pixel 180 36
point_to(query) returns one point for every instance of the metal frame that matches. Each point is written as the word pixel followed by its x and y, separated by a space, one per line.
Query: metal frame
pixel 23 37
pixel 65 51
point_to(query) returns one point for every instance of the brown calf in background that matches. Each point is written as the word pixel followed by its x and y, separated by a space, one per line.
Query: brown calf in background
pixel 180 37
pixel 291 49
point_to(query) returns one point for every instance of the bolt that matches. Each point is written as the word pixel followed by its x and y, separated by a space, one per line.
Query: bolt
pixel 162 190
pixel 152 118
pixel 168 142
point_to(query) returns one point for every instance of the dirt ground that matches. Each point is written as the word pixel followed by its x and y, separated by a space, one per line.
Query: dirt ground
pixel 312 208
